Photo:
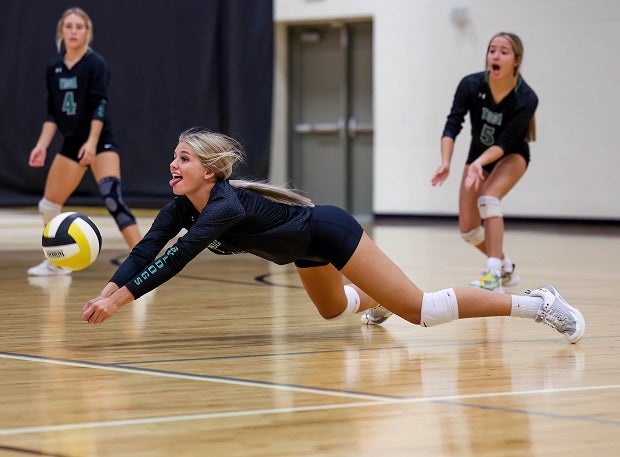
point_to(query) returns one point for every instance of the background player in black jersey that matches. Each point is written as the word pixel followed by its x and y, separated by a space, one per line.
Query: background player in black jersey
pixel 326 244
pixel 77 82
pixel 501 109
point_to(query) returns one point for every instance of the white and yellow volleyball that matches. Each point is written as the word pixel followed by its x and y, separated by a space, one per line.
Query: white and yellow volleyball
pixel 71 241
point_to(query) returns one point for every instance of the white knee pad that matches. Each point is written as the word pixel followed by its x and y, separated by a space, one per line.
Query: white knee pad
pixel 475 236
pixel 48 210
pixel 489 206
pixel 353 302
pixel 439 307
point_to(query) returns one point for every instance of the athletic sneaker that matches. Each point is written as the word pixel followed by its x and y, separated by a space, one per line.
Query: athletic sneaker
pixel 506 279
pixel 489 281
pixel 45 268
pixel 558 314
pixel 510 278
pixel 376 315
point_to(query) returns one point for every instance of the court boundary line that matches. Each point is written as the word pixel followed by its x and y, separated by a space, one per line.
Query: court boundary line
pixel 298 409
pixel 372 400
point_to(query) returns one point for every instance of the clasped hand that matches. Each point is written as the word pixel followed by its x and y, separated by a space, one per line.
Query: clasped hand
pixel 98 310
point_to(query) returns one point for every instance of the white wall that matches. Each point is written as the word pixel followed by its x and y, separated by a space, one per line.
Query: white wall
pixel 420 54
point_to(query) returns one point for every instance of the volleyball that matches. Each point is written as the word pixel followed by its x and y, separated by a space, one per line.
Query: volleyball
pixel 71 241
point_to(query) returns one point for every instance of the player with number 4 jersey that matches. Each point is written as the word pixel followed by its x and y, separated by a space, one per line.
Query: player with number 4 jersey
pixel 77 83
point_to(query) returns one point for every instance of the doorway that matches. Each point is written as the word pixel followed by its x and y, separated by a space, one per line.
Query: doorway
pixel 330 112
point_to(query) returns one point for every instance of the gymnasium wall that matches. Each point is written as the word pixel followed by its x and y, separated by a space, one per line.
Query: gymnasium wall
pixel 420 54
pixel 174 64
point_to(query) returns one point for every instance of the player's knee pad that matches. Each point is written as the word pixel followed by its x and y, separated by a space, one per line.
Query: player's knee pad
pixel 48 209
pixel 475 236
pixel 439 307
pixel 489 206
pixel 353 302
pixel 110 190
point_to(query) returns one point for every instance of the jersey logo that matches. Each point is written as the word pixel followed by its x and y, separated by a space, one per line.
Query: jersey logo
pixel 68 83
pixel 492 117
pixel 58 70
pixel 482 95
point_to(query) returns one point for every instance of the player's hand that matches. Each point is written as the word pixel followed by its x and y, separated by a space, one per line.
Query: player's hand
pixel 475 176
pixel 98 310
pixel 37 157
pixel 86 155
pixel 440 175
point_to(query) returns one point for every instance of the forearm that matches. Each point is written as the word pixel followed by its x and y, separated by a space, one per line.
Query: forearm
pixel 96 126
pixel 47 134
pixel 490 155
pixel 447 149
pixel 109 289
pixel 121 296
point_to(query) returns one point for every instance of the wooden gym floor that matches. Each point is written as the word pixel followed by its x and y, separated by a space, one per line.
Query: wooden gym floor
pixel 231 359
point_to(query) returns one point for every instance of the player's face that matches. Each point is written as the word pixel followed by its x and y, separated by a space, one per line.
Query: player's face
pixel 74 32
pixel 189 176
pixel 501 60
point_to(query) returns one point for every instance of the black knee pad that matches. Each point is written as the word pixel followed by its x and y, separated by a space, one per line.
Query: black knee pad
pixel 110 190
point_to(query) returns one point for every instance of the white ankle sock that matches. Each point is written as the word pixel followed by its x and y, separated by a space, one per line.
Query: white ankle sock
pixel 525 306
pixel 507 264
pixel 494 265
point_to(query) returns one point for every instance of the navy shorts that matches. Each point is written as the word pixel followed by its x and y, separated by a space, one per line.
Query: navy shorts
pixel 71 145
pixel 335 235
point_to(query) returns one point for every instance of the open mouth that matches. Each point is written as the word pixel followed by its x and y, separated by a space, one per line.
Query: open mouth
pixel 495 67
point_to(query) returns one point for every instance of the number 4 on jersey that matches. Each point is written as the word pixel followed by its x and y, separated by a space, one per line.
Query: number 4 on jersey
pixel 69 107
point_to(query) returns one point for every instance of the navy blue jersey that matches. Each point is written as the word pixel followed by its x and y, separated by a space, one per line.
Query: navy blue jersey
pixel 233 221
pixel 78 95
pixel 502 124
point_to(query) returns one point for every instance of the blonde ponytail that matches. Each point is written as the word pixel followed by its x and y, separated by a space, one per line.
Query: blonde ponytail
pixel 219 153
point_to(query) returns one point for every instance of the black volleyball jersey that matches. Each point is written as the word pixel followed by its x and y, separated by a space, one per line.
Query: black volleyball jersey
pixel 233 221
pixel 78 95
pixel 502 124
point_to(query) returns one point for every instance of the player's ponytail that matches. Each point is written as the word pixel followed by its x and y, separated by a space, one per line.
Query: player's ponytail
pixel 219 153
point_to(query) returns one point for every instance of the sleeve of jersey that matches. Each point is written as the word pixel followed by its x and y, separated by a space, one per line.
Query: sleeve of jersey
pixel 166 225
pixel 98 89
pixel 220 214
pixel 460 106
pixel 518 123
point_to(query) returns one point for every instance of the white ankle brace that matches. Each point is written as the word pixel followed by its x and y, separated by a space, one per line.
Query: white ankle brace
pixel 439 307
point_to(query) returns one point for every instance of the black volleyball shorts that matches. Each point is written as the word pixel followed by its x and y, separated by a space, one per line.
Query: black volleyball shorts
pixel 335 236
pixel 71 145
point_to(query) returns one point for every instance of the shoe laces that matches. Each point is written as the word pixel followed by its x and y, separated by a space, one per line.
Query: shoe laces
pixel 553 317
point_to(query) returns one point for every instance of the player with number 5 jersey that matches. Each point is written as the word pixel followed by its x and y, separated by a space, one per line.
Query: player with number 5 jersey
pixel 501 107
pixel 77 96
